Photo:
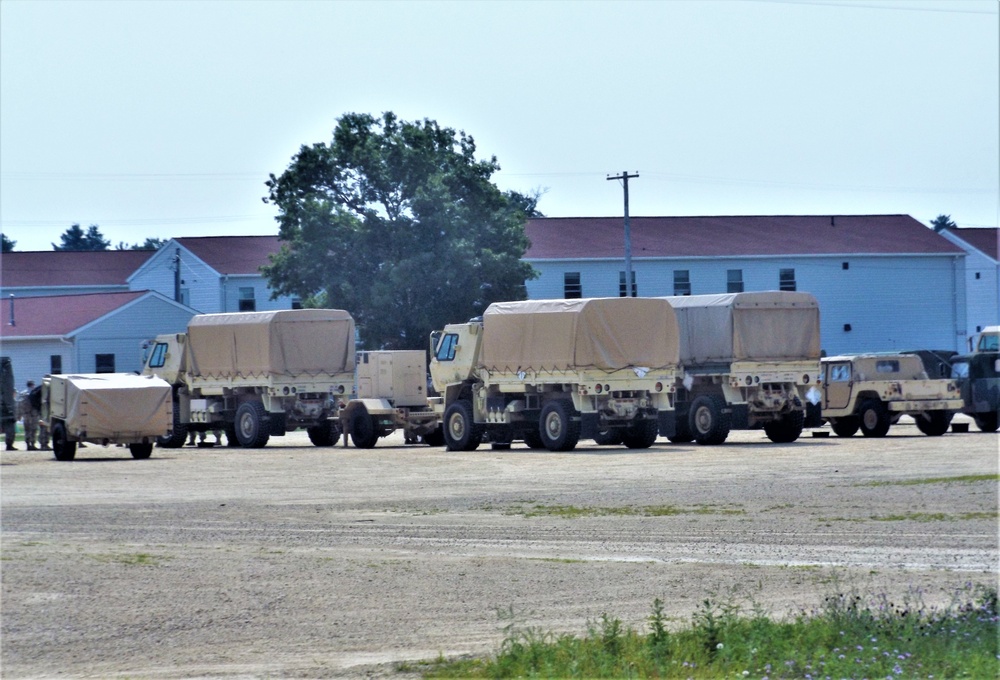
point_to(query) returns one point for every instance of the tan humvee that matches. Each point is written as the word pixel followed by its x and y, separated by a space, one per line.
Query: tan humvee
pixel 872 391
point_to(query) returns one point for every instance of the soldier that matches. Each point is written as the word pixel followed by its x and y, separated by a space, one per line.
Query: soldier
pixel 29 416
pixel 8 403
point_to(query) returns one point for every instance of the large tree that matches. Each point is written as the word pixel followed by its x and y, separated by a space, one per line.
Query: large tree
pixel 8 245
pixel 75 238
pixel 398 223
pixel 942 222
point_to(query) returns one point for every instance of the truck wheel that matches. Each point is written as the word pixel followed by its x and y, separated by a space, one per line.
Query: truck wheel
pixel 707 422
pixel 251 425
pixel 787 429
pixel 558 431
pixel 460 431
pixel 178 432
pixel 874 418
pixel 435 438
pixel 609 437
pixel 61 446
pixel 846 426
pixel 363 432
pixel 933 423
pixel 141 450
pixel 987 422
pixel 326 434
pixel 682 430
pixel 641 435
pixel 533 440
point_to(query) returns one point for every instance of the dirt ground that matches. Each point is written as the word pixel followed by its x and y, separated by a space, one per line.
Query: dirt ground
pixel 295 561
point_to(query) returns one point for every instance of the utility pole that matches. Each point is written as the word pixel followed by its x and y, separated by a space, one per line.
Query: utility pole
pixel 629 287
pixel 177 275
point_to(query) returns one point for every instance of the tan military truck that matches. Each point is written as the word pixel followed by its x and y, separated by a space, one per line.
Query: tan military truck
pixel 748 361
pixel 549 372
pixel 872 391
pixel 258 374
pixel 106 408
pixel 392 395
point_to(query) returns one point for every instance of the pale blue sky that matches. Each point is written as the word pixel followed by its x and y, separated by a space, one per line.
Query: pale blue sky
pixel 164 118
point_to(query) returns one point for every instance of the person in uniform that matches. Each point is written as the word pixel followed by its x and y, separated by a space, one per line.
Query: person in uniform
pixel 28 415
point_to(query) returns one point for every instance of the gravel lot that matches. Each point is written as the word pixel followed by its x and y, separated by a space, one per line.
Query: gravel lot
pixel 294 561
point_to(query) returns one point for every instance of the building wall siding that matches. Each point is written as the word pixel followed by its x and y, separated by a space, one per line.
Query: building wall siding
pixel 31 358
pixel 983 301
pixel 889 302
pixel 230 287
pixel 200 280
pixel 43 291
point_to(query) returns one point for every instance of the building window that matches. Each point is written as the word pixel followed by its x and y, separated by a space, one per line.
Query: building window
pixel 571 285
pixel 734 281
pixel 845 265
pixel 977 276
pixel 296 303
pixel 185 297
pixel 786 279
pixel 682 282
pixel 247 301
pixel 55 364
pixel 104 363
pixel 622 292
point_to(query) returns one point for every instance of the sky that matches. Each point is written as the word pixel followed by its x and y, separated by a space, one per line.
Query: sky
pixel 164 119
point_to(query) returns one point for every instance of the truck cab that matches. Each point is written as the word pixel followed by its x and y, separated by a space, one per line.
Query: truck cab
pixel 978 377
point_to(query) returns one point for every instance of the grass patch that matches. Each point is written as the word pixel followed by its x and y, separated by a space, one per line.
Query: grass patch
pixel 935 516
pixel 961 479
pixel 847 637
pixel 131 559
pixel 573 511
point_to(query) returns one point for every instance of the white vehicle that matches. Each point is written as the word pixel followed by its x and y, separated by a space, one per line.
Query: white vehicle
pixel 552 371
pixel 258 374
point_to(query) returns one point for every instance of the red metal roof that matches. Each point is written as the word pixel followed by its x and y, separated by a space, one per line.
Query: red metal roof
pixel 233 254
pixel 733 236
pixel 985 240
pixel 69 268
pixel 58 314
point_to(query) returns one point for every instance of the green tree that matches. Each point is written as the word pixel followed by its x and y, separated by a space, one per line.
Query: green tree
pixel 942 222
pixel 8 245
pixel 75 238
pixel 149 244
pixel 398 223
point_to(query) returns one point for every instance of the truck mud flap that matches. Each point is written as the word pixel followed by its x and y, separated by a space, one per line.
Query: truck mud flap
pixel 739 416
pixel 589 425
pixel 668 423
pixel 276 424
pixel 814 416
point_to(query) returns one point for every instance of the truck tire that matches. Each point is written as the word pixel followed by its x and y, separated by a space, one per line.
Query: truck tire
pixel 708 424
pixel 326 434
pixel 363 432
pixel 558 430
pixel 874 417
pixel 933 423
pixel 682 430
pixel 252 430
pixel 609 437
pixel 987 422
pixel 641 435
pixel 178 432
pixel 61 446
pixel 141 450
pixel 435 438
pixel 533 440
pixel 846 426
pixel 787 429
pixel 460 431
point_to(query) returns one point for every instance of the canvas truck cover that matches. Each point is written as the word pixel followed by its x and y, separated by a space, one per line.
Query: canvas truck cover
pixel 113 405
pixel 759 326
pixel 600 333
pixel 287 343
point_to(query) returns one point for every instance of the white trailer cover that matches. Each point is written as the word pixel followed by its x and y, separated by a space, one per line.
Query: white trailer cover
pixel 563 335
pixel 758 326
pixel 113 405
pixel 290 343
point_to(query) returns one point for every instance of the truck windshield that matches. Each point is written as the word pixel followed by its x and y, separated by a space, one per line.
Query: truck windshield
pixel 158 355
pixel 960 369
pixel 989 343
pixel 446 350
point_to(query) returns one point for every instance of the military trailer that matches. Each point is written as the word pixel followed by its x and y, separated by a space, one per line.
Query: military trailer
pixel 550 372
pixel 106 408
pixel 872 392
pixel 258 374
pixel 978 376
pixel 392 395
pixel 747 361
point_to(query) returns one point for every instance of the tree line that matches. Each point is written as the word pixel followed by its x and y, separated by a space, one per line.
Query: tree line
pixel 76 239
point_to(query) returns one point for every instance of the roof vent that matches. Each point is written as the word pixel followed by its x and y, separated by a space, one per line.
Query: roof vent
pixel 12 310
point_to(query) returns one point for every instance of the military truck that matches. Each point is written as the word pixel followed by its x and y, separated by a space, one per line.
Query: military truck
pixel 549 372
pixel 258 374
pixel 105 408
pixel 978 375
pixel 392 395
pixel 8 402
pixel 748 361
pixel 872 392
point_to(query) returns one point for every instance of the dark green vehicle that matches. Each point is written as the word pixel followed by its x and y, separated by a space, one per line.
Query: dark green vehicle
pixel 8 401
pixel 978 376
